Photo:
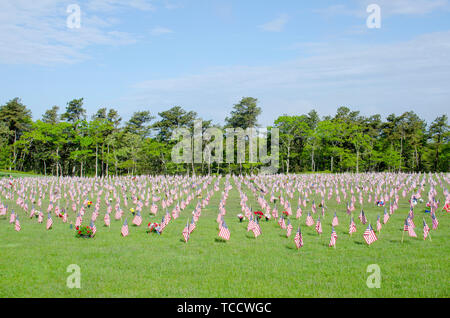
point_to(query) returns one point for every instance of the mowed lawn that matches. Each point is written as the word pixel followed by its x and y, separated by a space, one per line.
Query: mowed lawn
pixel 33 262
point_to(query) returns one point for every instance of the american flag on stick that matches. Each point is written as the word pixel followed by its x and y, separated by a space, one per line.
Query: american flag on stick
pixel 17 225
pixel 289 229
pixel 386 216
pixel 93 227
pixel 411 231
pixel 435 221
pixel 124 230
pixel 309 220
pixel 335 221
pixel 186 232
pixel 369 235
pixel 107 220
pixel 12 218
pixel 251 224
pixel 426 230
pixel 333 237
pixel 224 231
pixel 49 221
pixel 137 219
pixel 192 226
pixel 378 224
pixel 298 239
pixel 352 228
pixel 256 229
pixel 362 217
pixel 319 226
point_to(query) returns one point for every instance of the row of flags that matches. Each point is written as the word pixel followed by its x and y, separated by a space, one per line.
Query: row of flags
pixel 260 187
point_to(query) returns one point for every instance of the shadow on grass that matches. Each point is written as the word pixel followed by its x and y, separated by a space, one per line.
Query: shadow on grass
pixel 218 240
pixel 358 243
pixel 290 247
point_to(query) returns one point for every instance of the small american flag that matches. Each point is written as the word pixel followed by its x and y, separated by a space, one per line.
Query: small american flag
pixel 386 216
pixel 426 230
pixel 352 228
pixel 335 221
pixel 124 230
pixel 17 225
pixel 93 227
pixel 369 235
pixel 186 232
pixel 435 221
pixel 298 239
pixel 333 237
pixel 192 226
pixel 362 217
pixel 49 221
pixel 309 220
pixel 12 217
pixel 257 229
pixel 107 219
pixel 289 229
pixel 224 231
pixel 406 225
pixel 319 226
pixel 411 229
pixel 137 219
pixel 378 224
pixel 251 224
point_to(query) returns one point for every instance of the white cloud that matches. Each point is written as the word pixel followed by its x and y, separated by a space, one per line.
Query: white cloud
pixel 35 32
pixel 160 30
pixel 388 7
pixel 276 25
pixel 411 75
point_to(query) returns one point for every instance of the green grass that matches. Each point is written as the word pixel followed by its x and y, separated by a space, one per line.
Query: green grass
pixel 16 174
pixel 33 262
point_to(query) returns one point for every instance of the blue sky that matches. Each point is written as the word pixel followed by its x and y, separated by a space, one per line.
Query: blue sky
pixel 206 55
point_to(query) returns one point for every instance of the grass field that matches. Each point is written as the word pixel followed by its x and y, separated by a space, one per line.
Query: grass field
pixel 33 262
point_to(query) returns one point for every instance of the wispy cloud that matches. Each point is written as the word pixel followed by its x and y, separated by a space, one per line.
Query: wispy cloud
pixel 276 25
pixel 389 8
pixel 160 30
pixel 374 79
pixel 35 32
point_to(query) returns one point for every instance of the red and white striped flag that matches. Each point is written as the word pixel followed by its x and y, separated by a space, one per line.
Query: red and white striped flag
pixel 435 221
pixel 93 227
pixel 124 230
pixel 289 228
pixel 186 232
pixel 224 232
pixel 107 220
pixel 49 221
pixel 137 219
pixel 12 218
pixel 352 228
pixel 369 235
pixel 335 221
pixel 192 226
pixel 298 239
pixel 17 225
pixel 411 231
pixel 426 230
pixel 378 224
pixel 319 226
pixel 256 229
pixel 386 216
pixel 333 237
pixel 309 220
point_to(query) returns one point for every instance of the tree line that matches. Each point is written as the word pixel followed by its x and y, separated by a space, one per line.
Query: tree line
pixel 70 143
